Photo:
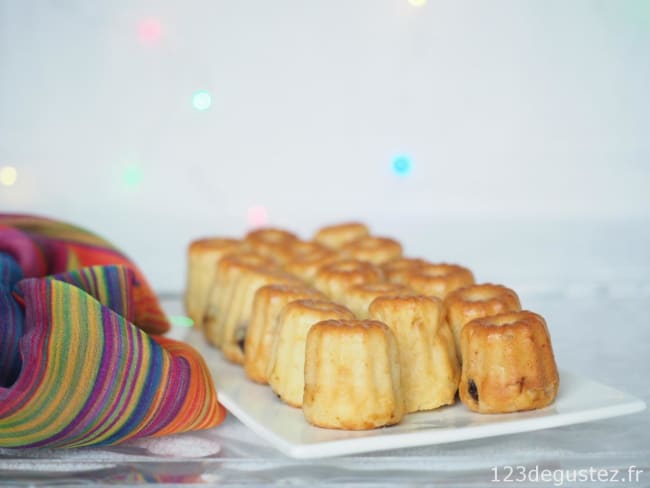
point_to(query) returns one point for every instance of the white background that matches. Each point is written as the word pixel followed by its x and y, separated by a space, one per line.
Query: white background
pixel 528 125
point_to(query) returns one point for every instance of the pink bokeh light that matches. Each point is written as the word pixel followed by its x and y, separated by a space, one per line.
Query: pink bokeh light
pixel 257 216
pixel 149 31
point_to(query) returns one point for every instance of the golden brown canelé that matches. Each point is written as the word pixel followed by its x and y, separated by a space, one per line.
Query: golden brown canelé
pixel 375 250
pixel 359 297
pixel 476 301
pixel 429 368
pixel 352 375
pixel 241 308
pixel 438 280
pixel 508 364
pixel 335 278
pixel 273 243
pixel 287 364
pixel 229 270
pixel 202 259
pixel 396 269
pixel 300 249
pixel 336 236
pixel 268 302
pixel 306 259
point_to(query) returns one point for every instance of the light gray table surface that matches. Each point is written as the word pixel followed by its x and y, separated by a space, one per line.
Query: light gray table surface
pixel 602 333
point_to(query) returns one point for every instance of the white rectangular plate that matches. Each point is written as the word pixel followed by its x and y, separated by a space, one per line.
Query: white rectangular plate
pixel 579 400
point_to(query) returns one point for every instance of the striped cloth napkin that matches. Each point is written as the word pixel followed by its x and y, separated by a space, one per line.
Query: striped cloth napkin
pixel 81 359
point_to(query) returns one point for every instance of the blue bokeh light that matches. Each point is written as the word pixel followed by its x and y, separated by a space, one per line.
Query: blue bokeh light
pixel 402 165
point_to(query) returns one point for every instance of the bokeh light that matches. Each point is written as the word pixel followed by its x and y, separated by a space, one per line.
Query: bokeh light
pixel 181 321
pixel 133 175
pixel 8 175
pixel 149 31
pixel 418 3
pixel 402 165
pixel 257 216
pixel 202 100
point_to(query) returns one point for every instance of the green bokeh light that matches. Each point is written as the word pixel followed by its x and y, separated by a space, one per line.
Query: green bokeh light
pixel 181 321
pixel 202 100
pixel 133 175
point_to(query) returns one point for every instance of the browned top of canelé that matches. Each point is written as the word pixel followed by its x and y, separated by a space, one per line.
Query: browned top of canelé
pixel 379 289
pixel 486 298
pixel 350 327
pixel 396 267
pixel 337 235
pixel 288 290
pixel 507 320
pixel 349 269
pixel 214 243
pixel 438 279
pixel 245 260
pixel 319 306
pixel 377 250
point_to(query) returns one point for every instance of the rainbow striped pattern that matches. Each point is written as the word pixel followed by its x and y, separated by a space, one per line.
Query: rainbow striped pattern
pixel 74 369
pixel 44 247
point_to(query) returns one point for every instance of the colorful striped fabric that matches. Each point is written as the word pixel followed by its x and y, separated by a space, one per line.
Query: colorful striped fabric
pixel 74 370
pixel 44 247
